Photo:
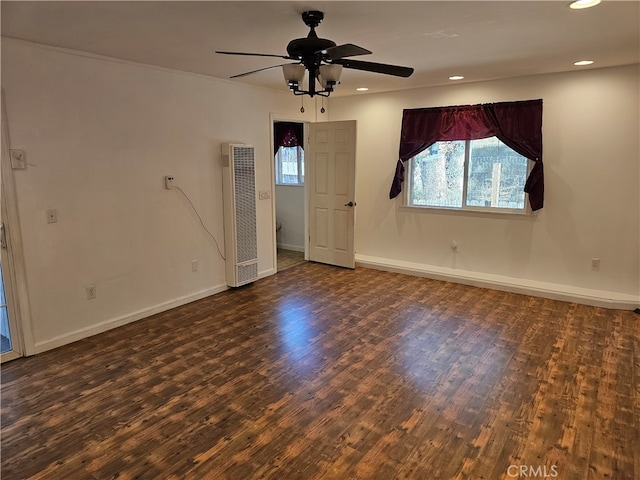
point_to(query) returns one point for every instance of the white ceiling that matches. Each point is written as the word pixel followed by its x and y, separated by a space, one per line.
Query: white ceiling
pixel 478 39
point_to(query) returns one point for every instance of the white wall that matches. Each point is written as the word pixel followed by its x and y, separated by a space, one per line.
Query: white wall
pixel 290 213
pixel 591 158
pixel 100 136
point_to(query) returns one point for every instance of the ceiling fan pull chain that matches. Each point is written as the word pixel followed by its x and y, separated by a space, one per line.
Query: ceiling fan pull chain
pixel 322 110
pixel 302 107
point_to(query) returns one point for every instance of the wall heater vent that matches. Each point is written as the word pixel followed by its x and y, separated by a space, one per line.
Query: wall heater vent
pixel 240 235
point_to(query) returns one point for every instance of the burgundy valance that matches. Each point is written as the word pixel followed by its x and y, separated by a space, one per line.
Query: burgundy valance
pixel 517 124
pixel 287 134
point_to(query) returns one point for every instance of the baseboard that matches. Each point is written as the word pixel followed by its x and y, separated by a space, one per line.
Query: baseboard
pixel 266 273
pixel 293 248
pixel 567 293
pixel 95 329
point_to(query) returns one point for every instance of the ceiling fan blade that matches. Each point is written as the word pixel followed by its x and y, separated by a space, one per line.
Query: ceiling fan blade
pixel 346 50
pixel 256 55
pixel 375 67
pixel 258 70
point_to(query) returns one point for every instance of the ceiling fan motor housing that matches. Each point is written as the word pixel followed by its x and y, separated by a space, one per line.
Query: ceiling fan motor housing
pixel 308 48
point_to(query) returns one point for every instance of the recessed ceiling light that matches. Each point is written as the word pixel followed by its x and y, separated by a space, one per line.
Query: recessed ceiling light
pixel 580 4
pixel 456 77
pixel 581 63
pixel 362 89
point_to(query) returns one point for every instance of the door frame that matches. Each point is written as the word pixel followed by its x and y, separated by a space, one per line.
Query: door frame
pixel 277 117
pixel 14 267
pixel 8 281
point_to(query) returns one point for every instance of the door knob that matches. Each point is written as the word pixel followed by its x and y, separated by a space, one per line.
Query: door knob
pixel 350 204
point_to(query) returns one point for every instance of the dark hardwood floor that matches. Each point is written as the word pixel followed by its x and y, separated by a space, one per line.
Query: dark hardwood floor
pixel 327 373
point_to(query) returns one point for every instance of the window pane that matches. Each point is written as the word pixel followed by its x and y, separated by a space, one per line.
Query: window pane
pixel 496 175
pixel 290 166
pixel 438 174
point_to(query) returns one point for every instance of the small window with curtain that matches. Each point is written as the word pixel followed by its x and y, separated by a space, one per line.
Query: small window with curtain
pixel 472 157
pixel 290 166
pixel 289 153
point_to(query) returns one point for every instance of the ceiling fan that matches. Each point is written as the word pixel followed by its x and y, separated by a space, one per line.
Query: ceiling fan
pixel 322 58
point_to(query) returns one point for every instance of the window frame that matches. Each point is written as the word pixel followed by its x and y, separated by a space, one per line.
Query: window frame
pixel 407 203
pixel 278 167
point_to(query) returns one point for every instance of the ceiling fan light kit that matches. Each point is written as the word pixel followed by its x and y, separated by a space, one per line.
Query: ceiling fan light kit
pixel 293 75
pixel 329 76
pixel 323 59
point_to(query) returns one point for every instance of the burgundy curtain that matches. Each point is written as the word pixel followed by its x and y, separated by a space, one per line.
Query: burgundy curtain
pixel 517 124
pixel 287 134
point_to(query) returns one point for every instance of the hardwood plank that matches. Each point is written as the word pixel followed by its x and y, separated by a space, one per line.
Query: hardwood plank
pixel 329 373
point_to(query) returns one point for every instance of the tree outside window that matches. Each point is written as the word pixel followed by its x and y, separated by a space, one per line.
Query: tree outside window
pixel 471 174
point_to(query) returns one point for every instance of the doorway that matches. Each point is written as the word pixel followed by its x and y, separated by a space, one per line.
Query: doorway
pixel 11 331
pixel 5 329
pixel 289 192
pixel 10 340
pixel 324 204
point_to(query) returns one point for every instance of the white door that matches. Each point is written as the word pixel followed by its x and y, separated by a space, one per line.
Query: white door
pixel 331 182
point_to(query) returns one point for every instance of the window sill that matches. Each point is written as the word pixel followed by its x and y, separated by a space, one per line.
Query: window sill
pixel 527 213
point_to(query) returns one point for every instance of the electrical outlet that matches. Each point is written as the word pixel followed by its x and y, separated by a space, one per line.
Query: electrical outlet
pixel 168 182
pixel 454 245
pixel 194 265
pixel 595 264
pixel 264 195
pixel 52 215
pixel 91 292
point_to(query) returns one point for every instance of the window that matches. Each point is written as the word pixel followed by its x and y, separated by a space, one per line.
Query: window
pixel 290 166
pixel 468 174
pixel 477 159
